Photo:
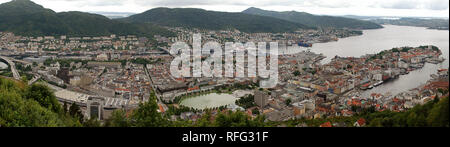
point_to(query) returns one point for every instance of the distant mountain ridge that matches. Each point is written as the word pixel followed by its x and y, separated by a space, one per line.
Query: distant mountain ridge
pixel 113 15
pixel 212 20
pixel 24 17
pixel 440 24
pixel 315 20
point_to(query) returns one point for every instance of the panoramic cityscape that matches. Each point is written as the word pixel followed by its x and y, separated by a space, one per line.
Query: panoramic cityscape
pixel 90 67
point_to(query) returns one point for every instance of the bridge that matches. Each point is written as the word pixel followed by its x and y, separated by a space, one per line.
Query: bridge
pixel 35 78
pixel 16 74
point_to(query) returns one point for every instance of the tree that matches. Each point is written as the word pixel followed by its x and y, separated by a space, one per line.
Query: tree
pixel 28 68
pixel 24 79
pixel 246 102
pixel 237 119
pixel 296 73
pixel 288 102
pixel 412 119
pixel 147 115
pixel 18 111
pixel 395 50
pixel 44 96
pixel 75 112
pixel 118 119
pixel 434 113
pixel 255 111
pixel 92 122
pixel 65 107
pixel 439 114
pixel 205 120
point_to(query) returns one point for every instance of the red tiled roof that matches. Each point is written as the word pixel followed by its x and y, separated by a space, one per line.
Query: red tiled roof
pixel 161 109
pixel 194 88
pixel 327 124
pixel 361 121
pixel 441 70
pixel 120 89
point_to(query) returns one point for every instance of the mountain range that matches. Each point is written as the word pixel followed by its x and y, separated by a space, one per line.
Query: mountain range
pixel 315 20
pixel 24 17
pixel 440 24
pixel 212 20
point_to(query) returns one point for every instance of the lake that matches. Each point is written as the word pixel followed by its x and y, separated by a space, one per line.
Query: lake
pixel 374 41
pixel 211 100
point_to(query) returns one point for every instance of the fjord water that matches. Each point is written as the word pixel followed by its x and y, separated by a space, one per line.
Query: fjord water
pixel 374 41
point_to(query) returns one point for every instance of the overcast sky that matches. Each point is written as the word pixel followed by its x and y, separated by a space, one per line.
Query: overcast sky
pixel 422 8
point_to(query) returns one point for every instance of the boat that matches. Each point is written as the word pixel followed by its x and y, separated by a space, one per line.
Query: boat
pixel 304 44
pixel 365 86
pixel 378 83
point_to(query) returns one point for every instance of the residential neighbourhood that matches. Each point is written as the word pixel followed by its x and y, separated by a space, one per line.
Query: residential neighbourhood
pixel 125 69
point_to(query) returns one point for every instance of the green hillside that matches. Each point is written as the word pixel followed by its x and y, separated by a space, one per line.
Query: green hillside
pixel 315 20
pixel 211 20
pixel 24 17
pixel 31 106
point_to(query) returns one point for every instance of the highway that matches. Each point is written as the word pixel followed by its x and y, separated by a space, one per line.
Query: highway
pixel 13 67
pixel 35 78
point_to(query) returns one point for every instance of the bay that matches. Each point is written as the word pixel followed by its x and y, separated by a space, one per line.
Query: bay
pixel 374 41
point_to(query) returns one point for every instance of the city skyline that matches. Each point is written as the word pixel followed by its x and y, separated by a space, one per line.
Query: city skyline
pixel 392 8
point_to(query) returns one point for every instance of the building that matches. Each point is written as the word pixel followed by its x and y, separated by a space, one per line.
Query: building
pixel 64 74
pixel 309 105
pixel 102 57
pixel 261 98
pixel 104 64
pixel 95 107
pixel 81 80
pixel 360 123
pixel 122 93
pixel 299 109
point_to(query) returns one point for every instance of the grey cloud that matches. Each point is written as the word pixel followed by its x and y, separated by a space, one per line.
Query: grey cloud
pixel 254 3
pixel 402 5
pixel 94 2
pixel 413 4
pixel 438 5
pixel 175 3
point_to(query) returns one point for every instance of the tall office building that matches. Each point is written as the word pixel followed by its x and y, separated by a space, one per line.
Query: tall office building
pixel 261 98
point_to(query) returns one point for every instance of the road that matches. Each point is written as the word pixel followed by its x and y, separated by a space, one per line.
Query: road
pixel 13 67
pixel 159 101
pixel 35 78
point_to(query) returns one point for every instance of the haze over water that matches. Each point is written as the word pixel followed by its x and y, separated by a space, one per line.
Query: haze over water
pixel 374 41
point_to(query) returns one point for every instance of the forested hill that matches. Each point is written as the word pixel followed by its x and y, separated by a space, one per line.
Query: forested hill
pixel 440 24
pixel 212 20
pixel 315 20
pixel 24 17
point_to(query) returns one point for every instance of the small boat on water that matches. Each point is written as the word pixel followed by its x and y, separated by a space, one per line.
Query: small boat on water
pixel 378 83
pixel 304 44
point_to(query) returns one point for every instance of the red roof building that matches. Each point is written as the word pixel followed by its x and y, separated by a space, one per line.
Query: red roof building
pixel 327 124
pixel 361 122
